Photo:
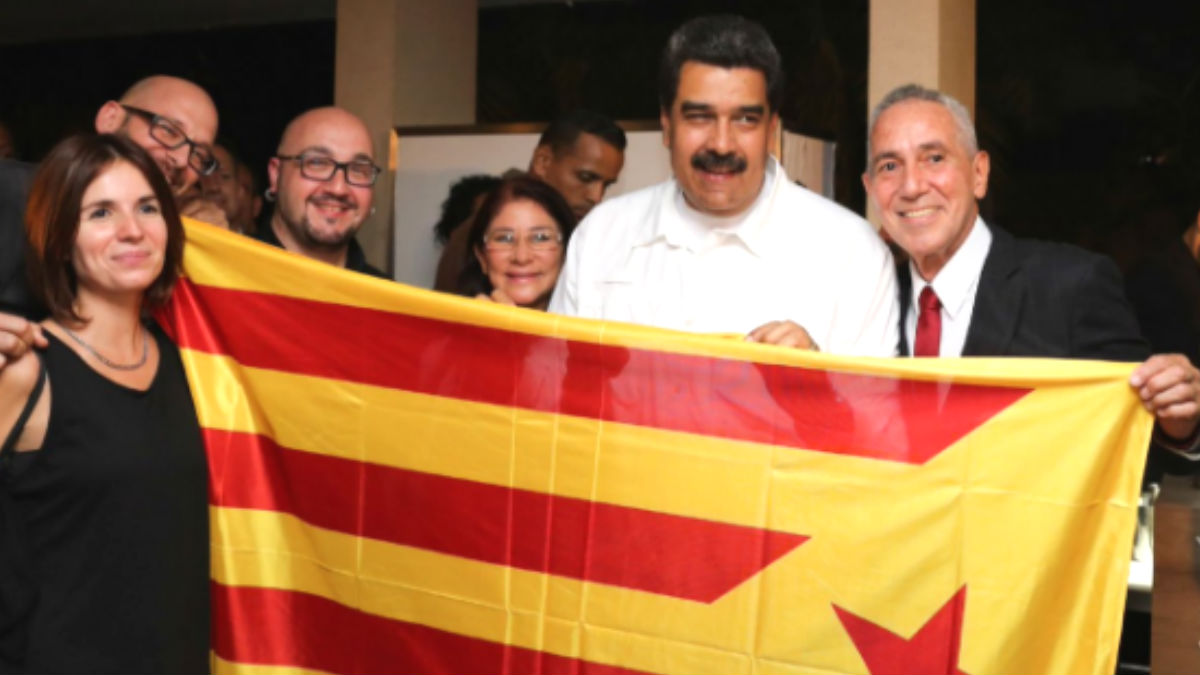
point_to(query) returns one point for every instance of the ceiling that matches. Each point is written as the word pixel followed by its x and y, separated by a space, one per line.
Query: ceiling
pixel 23 22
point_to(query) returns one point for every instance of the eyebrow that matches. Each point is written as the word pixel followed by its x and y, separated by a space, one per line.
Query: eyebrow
pixel 924 147
pixel 98 202
pixel 694 106
pixel 111 202
pixel 326 151
pixel 889 154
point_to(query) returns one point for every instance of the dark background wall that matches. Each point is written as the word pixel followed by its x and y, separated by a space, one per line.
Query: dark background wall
pixel 260 77
pixel 1091 110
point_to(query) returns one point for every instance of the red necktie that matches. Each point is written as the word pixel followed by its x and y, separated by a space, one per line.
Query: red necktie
pixel 929 324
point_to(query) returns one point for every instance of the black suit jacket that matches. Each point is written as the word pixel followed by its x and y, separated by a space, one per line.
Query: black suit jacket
pixel 1043 299
pixel 14 188
pixel 1038 298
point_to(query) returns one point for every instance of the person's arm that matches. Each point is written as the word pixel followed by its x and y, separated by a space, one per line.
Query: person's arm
pixel 1169 386
pixel 1104 326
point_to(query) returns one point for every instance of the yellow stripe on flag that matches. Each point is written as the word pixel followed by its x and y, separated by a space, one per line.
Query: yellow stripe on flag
pixel 1029 516
pixel 490 602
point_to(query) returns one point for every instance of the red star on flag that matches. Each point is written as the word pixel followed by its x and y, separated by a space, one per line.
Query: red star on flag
pixel 932 649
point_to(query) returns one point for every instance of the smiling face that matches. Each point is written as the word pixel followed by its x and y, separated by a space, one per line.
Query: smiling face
pixel 183 104
pixel 514 261
pixel 122 235
pixel 719 133
pixel 924 182
pixel 320 214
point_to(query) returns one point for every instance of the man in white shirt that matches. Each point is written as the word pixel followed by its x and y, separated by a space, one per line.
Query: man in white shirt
pixel 730 245
pixel 974 290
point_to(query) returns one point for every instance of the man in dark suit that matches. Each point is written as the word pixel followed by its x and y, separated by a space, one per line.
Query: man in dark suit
pixel 974 290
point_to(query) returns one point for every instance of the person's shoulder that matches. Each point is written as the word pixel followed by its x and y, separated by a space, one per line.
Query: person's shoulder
pixel 371 270
pixel 622 215
pixel 642 198
pixel 1052 256
pixel 819 215
pixel 818 209
pixel 1058 271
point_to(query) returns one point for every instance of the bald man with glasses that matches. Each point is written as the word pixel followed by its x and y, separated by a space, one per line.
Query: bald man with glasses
pixel 322 180
pixel 175 121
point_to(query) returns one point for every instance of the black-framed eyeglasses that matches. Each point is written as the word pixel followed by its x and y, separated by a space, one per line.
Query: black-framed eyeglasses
pixel 358 172
pixel 170 136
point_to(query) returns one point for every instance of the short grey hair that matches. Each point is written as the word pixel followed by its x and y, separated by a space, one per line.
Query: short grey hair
pixel 915 92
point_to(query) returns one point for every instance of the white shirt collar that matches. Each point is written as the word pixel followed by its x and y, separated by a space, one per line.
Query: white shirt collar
pixel 679 224
pixel 956 282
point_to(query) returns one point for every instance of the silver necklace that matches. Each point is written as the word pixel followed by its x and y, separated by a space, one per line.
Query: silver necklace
pixel 112 364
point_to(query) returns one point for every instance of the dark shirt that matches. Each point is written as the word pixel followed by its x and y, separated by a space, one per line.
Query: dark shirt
pixel 113 513
pixel 1165 292
pixel 14 188
pixel 356 261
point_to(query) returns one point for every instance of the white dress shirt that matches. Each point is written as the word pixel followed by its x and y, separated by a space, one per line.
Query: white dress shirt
pixel 649 258
pixel 955 286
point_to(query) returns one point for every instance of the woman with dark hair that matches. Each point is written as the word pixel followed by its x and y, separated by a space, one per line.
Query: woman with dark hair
pixel 103 481
pixel 516 244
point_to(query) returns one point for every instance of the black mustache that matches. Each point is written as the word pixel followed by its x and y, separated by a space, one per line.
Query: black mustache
pixel 347 202
pixel 712 161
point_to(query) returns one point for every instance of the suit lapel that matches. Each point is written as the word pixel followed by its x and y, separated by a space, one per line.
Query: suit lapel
pixel 998 299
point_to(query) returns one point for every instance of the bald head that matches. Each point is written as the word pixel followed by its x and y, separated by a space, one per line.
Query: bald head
pixel 323 123
pixel 180 102
pixel 319 212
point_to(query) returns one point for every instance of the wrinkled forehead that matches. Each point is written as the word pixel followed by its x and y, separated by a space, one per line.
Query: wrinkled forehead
pixel 341 140
pixel 910 125
pixel 190 109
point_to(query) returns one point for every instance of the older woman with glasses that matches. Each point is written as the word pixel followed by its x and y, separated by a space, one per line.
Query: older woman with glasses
pixel 103 480
pixel 516 244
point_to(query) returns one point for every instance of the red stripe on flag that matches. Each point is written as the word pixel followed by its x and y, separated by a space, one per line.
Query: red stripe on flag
pixel 269 627
pixel 875 417
pixel 659 553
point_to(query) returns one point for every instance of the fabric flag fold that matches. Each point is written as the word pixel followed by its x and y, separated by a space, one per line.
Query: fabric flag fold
pixel 405 481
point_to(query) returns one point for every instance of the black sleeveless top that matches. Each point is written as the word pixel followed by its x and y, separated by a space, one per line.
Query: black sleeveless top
pixel 113 512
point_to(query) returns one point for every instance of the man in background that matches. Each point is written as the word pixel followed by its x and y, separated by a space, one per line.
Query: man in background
pixel 250 202
pixel 221 187
pixel 581 155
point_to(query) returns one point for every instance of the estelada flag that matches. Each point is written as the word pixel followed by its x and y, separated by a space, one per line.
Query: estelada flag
pixel 405 481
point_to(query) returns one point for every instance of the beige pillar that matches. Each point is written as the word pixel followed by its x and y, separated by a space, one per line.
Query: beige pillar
pixel 399 63
pixel 929 42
